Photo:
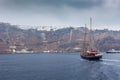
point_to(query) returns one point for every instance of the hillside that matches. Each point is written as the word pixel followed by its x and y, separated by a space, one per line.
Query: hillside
pixel 65 40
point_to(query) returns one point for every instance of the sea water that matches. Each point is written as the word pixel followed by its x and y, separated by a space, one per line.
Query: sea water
pixel 58 66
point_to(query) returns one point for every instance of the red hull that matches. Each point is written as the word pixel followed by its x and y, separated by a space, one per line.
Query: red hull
pixel 91 57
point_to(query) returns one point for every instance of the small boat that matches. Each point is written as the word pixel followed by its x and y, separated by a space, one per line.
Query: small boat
pixel 113 51
pixel 89 51
pixel 91 55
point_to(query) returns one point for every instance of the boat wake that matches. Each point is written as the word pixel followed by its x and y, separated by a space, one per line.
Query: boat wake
pixel 111 64
pixel 111 60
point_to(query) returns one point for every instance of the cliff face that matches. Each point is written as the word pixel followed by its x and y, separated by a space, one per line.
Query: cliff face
pixel 66 39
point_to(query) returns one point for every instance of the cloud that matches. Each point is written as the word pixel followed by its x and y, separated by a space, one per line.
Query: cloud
pixel 60 12
pixel 81 4
pixel 112 4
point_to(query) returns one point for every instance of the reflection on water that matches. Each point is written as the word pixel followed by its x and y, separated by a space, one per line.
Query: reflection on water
pixel 62 66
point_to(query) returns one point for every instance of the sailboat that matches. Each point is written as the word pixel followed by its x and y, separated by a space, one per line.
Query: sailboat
pixel 89 51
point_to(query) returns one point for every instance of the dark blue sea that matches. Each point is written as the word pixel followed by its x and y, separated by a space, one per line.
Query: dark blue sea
pixel 58 66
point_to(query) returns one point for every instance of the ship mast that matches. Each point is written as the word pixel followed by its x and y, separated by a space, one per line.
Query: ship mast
pixel 84 41
pixel 91 35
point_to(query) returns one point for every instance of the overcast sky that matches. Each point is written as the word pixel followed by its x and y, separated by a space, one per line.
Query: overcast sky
pixel 105 13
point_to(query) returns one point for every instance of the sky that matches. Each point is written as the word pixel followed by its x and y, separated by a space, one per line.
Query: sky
pixel 61 13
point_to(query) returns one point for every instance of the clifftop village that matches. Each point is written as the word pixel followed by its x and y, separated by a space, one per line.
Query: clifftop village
pixel 16 40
